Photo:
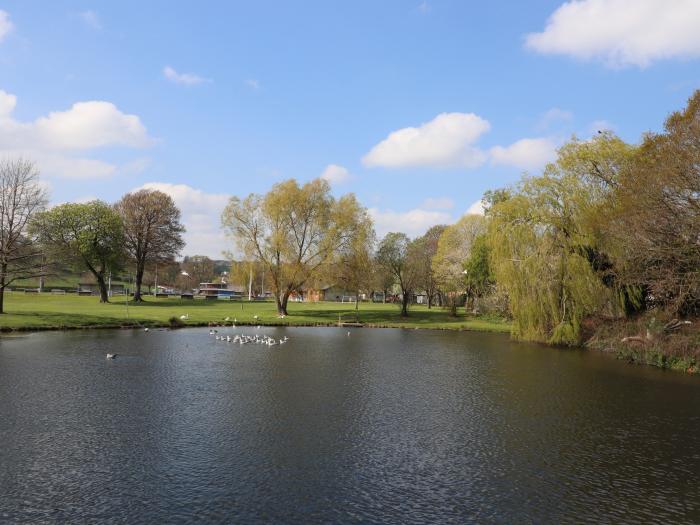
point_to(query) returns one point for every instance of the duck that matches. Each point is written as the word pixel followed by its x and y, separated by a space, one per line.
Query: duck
pixel 145 329
pixel 111 356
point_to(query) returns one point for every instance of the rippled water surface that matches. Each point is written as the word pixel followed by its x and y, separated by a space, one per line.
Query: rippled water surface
pixel 384 426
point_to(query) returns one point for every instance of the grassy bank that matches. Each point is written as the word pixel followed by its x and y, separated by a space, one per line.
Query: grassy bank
pixel 642 340
pixel 46 311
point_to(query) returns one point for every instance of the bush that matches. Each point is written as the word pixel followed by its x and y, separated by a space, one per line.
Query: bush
pixel 175 322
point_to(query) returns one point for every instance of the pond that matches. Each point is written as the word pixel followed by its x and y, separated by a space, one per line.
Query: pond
pixel 379 426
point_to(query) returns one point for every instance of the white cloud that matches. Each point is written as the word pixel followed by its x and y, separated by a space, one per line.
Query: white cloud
pixel 552 116
pixel 525 153
pixel 91 19
pixel 201 215
pixel 88 125
pixel 5 24
pixel 335 174
pixel 621 32
pixel 438 203
pixel 477 208
pixel 446 141
pixel 413 222
pixel 187 79
pixel 51 141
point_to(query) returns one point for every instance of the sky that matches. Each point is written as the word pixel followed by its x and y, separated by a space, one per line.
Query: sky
pixel 415 106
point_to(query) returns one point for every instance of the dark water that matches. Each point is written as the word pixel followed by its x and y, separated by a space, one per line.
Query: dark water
pixel 385 426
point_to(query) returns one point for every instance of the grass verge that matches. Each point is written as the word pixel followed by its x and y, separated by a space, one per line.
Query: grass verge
pixel 46 311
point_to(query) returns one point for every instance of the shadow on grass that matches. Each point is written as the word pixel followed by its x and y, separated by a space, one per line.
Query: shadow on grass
pixel 61 320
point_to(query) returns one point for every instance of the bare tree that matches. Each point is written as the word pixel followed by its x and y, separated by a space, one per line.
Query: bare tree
pixel 21 197
pixel 152 230
pixel 400 258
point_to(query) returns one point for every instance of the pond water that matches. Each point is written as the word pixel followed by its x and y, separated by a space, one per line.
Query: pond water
pixel 382 426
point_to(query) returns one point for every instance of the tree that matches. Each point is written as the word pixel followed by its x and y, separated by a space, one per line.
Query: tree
pixel 453 250
pixel 351 266
pixel 199 267
pixel 477 270
pixel 399 258
pixel 152 230
pixel 655 221
pixel 426 248
pixel 293 230
pixel 89 235
pixel 382 278
pixel 21 197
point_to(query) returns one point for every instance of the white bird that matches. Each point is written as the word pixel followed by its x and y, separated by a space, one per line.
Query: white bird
pixel 186 316
pixel 111 356
pixel 211 332
pixel 145 329
pixel 348 334
pixel 227 319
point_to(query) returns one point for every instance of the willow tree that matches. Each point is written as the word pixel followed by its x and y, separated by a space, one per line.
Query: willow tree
pixel 550 249
pixel 89 235
pixel 453 251
pixel 351 266
pixel 293 230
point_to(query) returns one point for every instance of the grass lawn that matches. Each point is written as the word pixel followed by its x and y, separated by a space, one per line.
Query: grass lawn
pixel 34 311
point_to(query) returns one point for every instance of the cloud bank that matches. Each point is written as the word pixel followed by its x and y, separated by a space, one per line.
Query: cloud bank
pixel 621 33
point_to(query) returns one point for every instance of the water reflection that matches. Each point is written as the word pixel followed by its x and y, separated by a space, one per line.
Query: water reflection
pixel 384 426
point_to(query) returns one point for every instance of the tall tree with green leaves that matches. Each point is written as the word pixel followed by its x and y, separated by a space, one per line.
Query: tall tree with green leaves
pixel 293 230
pixel 88 235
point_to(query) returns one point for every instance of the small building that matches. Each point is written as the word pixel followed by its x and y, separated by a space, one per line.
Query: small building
pixel 219 290
pixel 327 292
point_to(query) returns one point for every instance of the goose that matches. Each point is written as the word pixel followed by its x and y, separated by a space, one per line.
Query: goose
pixel 227 319
pixel 212 332
pixel 145 329
pixel 111 356
pixel 185 316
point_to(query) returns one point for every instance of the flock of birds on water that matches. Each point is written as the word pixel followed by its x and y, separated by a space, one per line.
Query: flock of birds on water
pixel 241 339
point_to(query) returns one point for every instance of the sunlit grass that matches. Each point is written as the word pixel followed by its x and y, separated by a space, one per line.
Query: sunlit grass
pixel 32 311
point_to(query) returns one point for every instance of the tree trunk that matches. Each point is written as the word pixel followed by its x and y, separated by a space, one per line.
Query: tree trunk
pixel 137 285
pixel 430 300
pixel 282 303
pixel 102 285
pixel 3 273
pixel 406 297
pixel 357 300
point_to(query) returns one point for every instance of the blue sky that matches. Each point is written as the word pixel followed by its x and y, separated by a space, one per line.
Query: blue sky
pixel 416 107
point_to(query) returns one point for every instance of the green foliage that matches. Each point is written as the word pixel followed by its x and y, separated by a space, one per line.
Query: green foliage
pixel 89 235
pixel 479 277
pixel 535 238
